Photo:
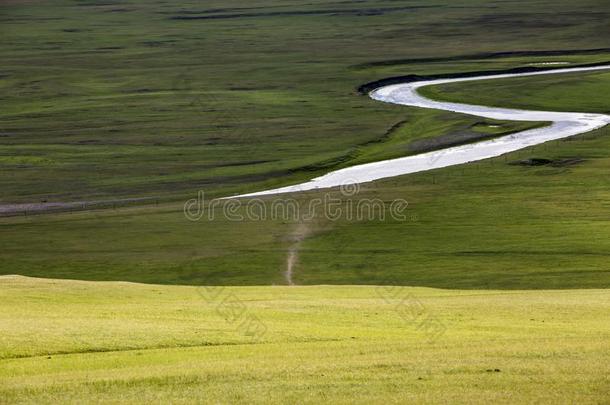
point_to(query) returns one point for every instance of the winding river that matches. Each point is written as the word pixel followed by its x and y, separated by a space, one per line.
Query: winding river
pixel 563 125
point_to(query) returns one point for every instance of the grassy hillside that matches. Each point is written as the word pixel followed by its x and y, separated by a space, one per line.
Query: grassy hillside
pixel 586 92
pixel 114 342
pixel 506 262
pixel 490 224
pixel 112 100
pixel 116 99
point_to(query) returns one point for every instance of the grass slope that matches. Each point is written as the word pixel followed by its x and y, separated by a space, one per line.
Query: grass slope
pixel 583 92
pixel 152 113
pixel 130 343
pixel 484 225
pixel 105 100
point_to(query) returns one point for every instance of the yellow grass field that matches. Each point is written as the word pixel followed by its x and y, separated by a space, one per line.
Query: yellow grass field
pixel 74 341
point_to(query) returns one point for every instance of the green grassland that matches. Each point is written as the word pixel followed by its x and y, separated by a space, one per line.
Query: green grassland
pixel 490 224
pixel 485 225
pixel 586 92
pixel 115 99
pixel 132 343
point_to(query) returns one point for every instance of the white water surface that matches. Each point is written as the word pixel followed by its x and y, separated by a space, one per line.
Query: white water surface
pixel 563 125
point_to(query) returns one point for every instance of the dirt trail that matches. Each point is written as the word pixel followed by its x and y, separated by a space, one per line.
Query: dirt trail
pixel 297 237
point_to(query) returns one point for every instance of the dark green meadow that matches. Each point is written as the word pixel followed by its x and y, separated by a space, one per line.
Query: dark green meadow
pixel 117 99
pixel 483 225
pixel 121 99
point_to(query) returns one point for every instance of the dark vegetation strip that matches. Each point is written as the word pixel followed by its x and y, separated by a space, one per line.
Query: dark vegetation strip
pixel 357 12
pixel 157 347
pixel 366 88
pixel 127 349
pixel 461 138
pixel 11 210
pixel 215 10
pixel 484 55
pixel 42 208
pixel 336 162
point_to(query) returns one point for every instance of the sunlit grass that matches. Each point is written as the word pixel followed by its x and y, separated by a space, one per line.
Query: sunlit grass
pixel 117 342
